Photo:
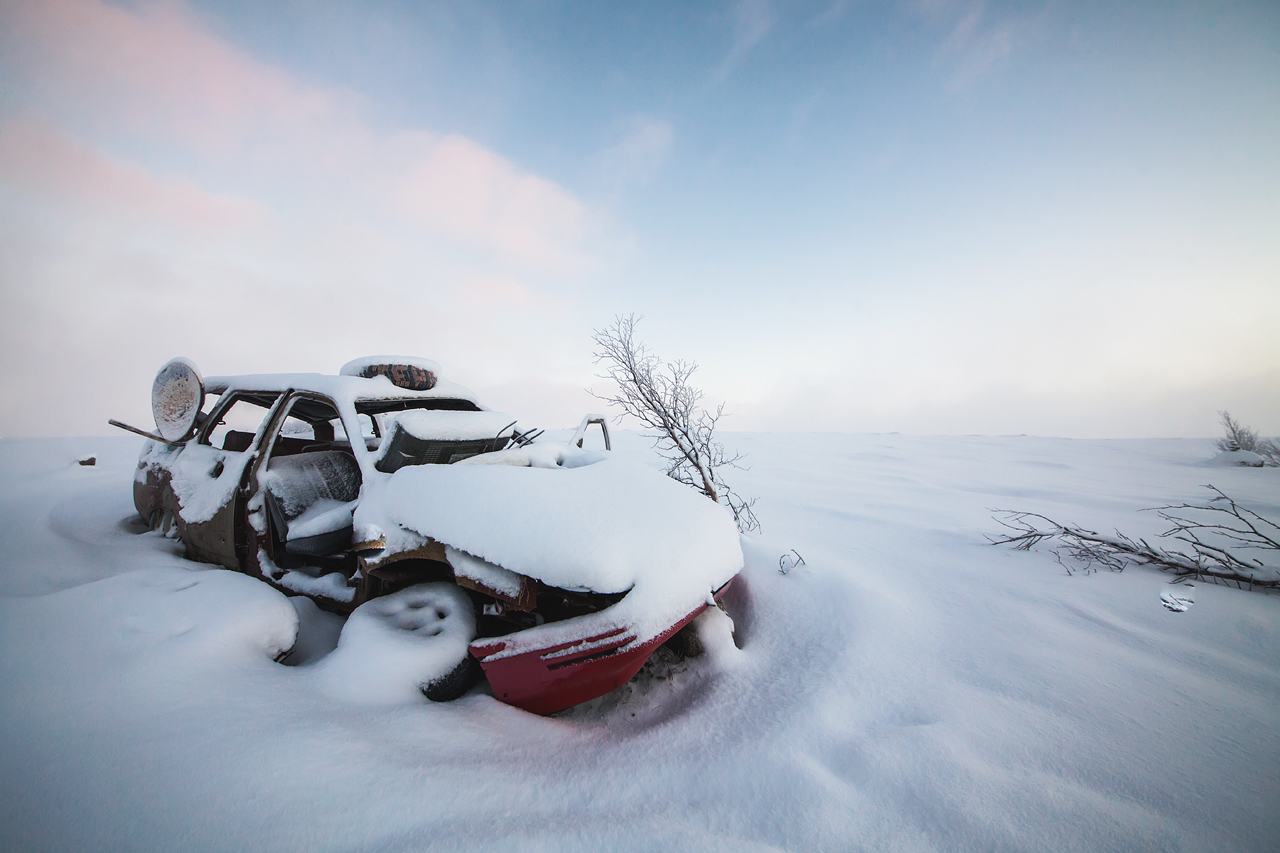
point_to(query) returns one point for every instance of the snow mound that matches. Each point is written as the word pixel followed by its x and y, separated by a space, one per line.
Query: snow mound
pixel 393 646
pixel 1245 458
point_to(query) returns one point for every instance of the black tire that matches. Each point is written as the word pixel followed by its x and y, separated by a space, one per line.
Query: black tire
pixel 465 675
pixel 163 522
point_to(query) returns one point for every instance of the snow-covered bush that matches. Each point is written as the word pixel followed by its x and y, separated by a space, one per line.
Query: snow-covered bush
pixel 1239 439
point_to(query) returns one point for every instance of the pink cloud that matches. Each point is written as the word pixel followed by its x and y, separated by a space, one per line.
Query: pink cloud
pixel 468 192
pixel 154 67
pixel 39 161
pixel 156 74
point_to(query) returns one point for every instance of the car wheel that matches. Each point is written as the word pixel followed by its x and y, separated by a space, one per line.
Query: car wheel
pixel 405 645
pixel 163 522
pixel 465 675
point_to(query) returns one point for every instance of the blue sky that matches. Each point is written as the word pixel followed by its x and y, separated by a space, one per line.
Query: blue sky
pixel 932 217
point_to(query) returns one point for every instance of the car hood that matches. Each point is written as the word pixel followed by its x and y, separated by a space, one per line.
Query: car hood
pixel 607 527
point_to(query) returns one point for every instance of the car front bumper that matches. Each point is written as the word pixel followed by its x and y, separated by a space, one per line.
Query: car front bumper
pixel 552 678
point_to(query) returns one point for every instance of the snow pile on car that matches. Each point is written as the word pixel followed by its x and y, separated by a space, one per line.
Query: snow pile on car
pixel 607 527
pixel 393 646
pixel 430 425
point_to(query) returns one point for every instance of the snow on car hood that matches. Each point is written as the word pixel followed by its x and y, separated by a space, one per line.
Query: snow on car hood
pixel 607 527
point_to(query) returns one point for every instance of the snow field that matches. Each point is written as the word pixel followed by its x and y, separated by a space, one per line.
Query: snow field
pixel 908 688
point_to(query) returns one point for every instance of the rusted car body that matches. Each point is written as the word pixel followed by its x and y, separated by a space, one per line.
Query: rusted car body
pixel 299 479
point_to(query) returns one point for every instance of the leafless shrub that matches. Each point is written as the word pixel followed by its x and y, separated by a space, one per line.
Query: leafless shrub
pixel 658 394
pixel 1237 436
pixel 1214 537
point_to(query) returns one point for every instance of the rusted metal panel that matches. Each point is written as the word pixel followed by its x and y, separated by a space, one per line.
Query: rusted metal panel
pixel 526 600
pixel 429 550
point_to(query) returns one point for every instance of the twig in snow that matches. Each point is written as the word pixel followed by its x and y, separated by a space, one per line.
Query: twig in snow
pixel 786 562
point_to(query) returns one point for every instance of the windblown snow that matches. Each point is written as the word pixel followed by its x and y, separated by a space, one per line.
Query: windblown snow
pixel 909 687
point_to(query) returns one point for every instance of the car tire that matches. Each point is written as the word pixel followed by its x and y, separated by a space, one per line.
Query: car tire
pixel 465 675
pixel 163 522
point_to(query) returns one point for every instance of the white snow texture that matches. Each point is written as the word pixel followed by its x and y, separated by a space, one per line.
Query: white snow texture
pixel 908 688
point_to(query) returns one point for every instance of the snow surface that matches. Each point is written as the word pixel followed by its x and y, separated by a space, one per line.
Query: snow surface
pixel 908 688
pixel 393 645
pixel 323 516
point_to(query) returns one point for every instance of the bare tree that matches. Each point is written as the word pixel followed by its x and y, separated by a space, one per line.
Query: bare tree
pixel 1215 537
pixel 1237 436
pixel 658 394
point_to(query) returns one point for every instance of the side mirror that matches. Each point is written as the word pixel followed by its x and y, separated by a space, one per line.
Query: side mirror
pixel 580 434
pixel 176 398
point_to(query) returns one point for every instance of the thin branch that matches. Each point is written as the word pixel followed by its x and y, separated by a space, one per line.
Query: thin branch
pixel 1211 539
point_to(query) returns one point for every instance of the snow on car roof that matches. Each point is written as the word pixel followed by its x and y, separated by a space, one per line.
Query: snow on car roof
pixel 350 389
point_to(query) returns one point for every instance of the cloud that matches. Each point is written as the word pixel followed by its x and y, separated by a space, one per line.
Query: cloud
pixel 638 156
pixel 155 77
pixel 154 69
pixel 461 189
pixel 48 167
pixel 977 39
pixel 163 192
pixel 752 20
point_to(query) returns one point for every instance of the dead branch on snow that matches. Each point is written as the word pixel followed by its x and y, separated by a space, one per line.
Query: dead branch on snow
pixel 1213 535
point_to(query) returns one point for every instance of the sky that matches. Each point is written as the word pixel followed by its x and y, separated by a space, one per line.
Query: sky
pixel 931 217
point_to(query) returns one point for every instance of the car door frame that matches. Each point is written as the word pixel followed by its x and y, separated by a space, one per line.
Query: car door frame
pixel 222 539
pixel 260 541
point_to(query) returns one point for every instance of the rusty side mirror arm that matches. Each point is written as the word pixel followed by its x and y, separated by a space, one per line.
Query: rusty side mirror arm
pixel 143 432
pixel 580 434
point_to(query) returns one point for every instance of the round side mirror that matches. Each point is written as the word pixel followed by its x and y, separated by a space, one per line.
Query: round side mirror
pixel 176 398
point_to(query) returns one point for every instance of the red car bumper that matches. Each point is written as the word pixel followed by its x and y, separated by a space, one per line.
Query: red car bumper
pixel 551 679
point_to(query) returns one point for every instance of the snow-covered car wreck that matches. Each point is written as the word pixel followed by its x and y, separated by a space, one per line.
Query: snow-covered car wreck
pixel 569 566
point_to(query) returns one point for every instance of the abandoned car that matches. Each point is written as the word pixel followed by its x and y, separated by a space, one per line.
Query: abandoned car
pixel 349 488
